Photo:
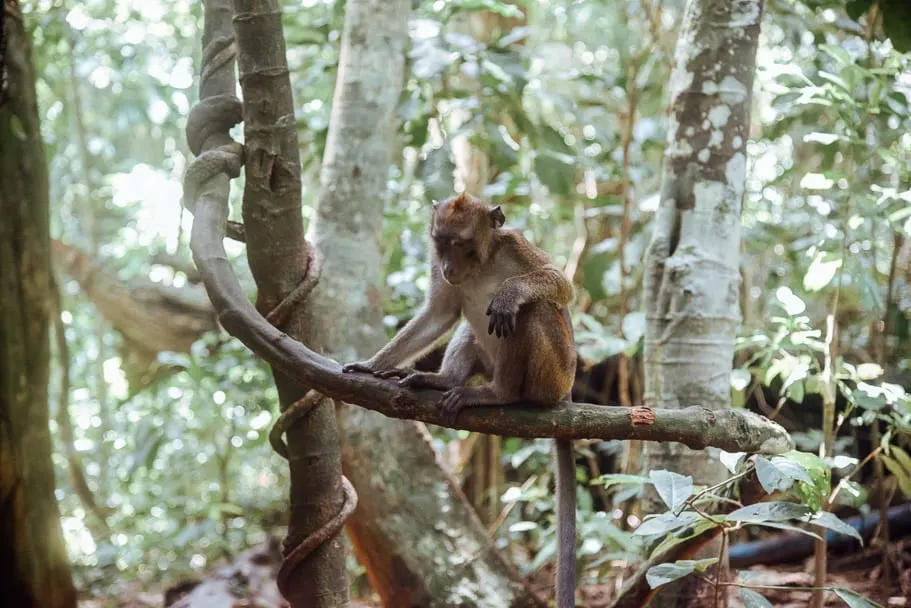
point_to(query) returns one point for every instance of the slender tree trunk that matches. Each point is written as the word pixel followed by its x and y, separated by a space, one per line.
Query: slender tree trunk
pixel 34 570
pixel 278 254
pixel 692 276
pixel 421 543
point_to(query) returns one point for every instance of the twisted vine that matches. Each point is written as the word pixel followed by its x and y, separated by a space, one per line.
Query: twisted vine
pixel 212 117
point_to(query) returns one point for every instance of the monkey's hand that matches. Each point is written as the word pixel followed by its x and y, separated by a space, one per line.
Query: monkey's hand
pixel 503 310
pixel 425 380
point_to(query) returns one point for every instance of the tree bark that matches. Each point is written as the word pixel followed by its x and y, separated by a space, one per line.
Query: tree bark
pixel 419 540
pixel 279 260
pixel 692 277
pixel 34 570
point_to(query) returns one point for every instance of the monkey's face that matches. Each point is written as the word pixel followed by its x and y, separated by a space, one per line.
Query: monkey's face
pixel 460 259
pixel 462 230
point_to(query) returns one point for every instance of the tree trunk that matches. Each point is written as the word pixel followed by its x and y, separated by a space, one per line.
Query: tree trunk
pixel 34 570
pixel 692 277
pixel 421 543
pixel 278 257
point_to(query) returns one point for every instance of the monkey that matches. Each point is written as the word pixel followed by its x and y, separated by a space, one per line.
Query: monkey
pixel 517 333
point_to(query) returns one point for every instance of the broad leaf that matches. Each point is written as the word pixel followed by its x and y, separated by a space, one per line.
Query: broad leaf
pixel 731 460
pixel 832 522
pixel 663 574
pixel 673 489
pixel 779 473
pixel 854 599
pixel 752 599
pixel 821 272
pixel 666 522
pixel 769 511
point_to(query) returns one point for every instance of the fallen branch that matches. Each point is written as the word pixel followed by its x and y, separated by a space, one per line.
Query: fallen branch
pixel 696 427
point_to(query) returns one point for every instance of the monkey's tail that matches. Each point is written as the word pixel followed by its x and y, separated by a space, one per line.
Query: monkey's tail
pixel 566 524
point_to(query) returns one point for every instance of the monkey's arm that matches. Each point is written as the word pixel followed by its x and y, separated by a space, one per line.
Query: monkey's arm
pixel 461 361
pixel 548 284
pixel 440 312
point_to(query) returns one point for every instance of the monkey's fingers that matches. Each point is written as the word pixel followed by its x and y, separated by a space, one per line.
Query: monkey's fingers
pixel 451 404
pixel 422 380
pixel 352 368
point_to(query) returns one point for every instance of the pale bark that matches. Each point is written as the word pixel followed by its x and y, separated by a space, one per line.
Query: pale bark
pixel 419 540
pixel 692 276
pixel 34 570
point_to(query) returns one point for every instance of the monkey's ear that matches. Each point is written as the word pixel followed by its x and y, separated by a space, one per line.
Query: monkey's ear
pixel 497 217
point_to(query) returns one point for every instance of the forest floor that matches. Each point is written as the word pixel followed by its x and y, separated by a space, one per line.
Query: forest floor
pixel 249 582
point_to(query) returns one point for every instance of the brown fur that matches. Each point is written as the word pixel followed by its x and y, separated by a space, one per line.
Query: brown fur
pixel 517 332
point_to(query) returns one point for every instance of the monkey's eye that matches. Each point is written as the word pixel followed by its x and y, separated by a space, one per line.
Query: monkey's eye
pixel 471 253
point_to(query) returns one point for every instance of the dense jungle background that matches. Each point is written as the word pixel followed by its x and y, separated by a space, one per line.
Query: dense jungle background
pixel 558 110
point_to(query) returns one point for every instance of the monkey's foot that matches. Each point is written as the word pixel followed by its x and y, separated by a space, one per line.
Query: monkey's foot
pixel 392 372
pixel 425 380
pixel 456 399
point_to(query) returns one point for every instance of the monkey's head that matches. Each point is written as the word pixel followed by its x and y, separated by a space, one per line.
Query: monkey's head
pixel 463 230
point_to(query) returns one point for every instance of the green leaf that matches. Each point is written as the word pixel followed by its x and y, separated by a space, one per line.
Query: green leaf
pixel 663 574
pixel 683 536
pixel 813 494
pixel 17 128
pixel 740 379
pixel 731 460
pixel 837 53
pixel 821 138
pixel 666 522
pixel 833 79
pixel 854 599
pixel 752 599
pixel 780 525
pixel 816 181
pixel 769 511
pixel 820 273
pixel 869 371
pixel 779 473
pixel 790 301
pixel 832 522
pixel 901 456
pixel 673 489
pixel 903 476
pixel 799 372
pixel 522 526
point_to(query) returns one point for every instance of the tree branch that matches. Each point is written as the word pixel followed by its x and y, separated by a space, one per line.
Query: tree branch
pixel 696 427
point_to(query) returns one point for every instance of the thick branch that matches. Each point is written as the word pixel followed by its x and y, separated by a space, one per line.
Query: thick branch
pixel 696 427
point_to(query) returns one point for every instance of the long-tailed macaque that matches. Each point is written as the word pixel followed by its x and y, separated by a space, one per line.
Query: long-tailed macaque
pixel 517 333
